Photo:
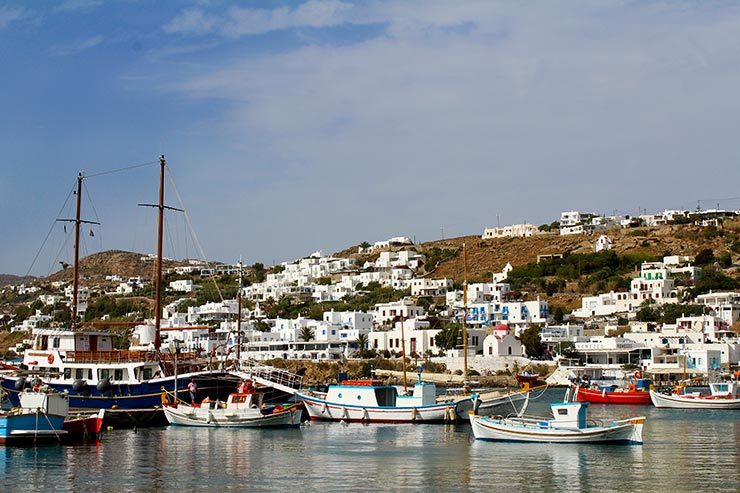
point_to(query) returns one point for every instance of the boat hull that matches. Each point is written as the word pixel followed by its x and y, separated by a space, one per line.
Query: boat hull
pixel 501 405
pixel 507 430
pixel 321 410
pixel 144 395
pixel 31 428
pixel 636 398
pixel 675 401
pixel 185 415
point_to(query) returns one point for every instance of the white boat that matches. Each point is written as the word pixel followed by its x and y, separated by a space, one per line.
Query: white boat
pixel 568 425
pixel 243 409
pixel 40 417
pixel 369 401
pixel 724 395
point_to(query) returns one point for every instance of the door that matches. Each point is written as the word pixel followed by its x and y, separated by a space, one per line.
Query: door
pixel 93 343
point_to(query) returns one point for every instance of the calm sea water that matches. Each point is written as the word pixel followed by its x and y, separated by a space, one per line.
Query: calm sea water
pixel 683 451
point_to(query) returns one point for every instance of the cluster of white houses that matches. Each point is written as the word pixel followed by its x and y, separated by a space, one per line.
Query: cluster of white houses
pixel 576 222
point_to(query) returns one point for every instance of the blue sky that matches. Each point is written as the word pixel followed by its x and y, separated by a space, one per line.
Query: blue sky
pixel 297 126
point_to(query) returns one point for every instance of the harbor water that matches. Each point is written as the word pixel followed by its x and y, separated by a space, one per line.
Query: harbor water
pixel 683 451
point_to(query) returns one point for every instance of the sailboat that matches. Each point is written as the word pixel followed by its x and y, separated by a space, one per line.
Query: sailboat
pixel 487 403
pixel 83 364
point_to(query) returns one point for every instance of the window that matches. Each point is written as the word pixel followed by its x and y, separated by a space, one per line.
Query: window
pixel 562 412
pixel 104 374
pixel 146 374
pixel 55 343
pixel 118 374
pixel 79 373
pixel 67 373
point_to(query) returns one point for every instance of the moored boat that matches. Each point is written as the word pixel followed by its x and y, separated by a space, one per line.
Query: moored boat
pixel 40 418
pixel 723 395
pixel 369 401
pixel 568 425
pixel 636 394
pixel 244 408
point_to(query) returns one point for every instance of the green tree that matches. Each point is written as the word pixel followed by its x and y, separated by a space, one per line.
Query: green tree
pixel 558 314
pixel 306 334
pixel 362 342
pixel 704 257
pixel 448 337
pixel 532 341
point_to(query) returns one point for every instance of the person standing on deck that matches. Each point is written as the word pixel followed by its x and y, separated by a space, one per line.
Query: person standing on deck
pixel 193 389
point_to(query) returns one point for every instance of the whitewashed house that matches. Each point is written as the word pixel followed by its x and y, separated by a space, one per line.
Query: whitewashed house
pixel 405 308
pixel 512 231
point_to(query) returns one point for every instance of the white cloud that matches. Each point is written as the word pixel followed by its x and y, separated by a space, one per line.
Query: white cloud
pixel 9 15
pixel 458 112
pixel 77 5
pixel 77 46
pixel 193 21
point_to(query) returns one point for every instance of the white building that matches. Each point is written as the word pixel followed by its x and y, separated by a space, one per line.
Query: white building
pixel 501 342
pixel 430 287
pixel 182 286
pixel 654 284
pixel 387 312
pixel 419 339
pixel 725 305
pixel 603 243
pixel 513 231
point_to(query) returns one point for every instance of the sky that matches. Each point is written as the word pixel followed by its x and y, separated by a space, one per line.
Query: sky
pixel 290 127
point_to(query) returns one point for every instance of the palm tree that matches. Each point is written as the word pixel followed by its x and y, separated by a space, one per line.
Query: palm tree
pixel 306 334
pixel 362 341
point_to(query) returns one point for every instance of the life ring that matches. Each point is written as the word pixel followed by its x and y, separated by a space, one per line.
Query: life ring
pixel 638 374
pixel 50 358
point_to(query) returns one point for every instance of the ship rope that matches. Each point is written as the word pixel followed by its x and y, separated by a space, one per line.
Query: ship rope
pixel 196 241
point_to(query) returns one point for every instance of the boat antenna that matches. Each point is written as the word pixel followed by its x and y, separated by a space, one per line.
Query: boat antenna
pixel 76 265
pixel 465 319
pixel 158 278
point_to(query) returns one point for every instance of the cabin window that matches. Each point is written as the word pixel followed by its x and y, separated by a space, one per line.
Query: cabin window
pixel 79 373
pixel 67 373
pixel 118 374
pixel 339 395
pixel 562 412
pixel 385 397
pixel 359 397
pixel 146 374
pixel 55 343
pixel 104 374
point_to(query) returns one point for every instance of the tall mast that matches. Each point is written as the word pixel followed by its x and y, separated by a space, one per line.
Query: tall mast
pixel 76 264
pixel 403 353
pixel 76 267
pixel 158 280
pixel 160 227
pixel 465 317
pixel 239 315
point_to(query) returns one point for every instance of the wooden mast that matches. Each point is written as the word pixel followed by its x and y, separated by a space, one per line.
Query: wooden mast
pixel 76 267
pixel 158 280
pixel 465 318
pixel 76 263
pixel 160 228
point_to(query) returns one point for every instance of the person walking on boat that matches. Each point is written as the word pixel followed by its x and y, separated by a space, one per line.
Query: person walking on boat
pixel 193 389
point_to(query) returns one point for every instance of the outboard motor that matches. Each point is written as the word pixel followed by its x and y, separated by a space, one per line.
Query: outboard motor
pixel 104 385
pixel 79 385
pixel 20 384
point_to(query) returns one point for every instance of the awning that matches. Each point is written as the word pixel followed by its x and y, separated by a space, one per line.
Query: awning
pixel 674 371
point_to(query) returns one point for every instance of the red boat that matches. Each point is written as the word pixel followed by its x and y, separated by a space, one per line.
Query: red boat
pixel 529 378
pixel 88 427
pixel 637 394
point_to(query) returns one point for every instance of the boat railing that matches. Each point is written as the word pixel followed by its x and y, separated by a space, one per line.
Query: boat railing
pixel 275 375
pixel 121 356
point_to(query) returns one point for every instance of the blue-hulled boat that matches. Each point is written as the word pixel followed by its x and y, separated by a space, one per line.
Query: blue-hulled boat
pixel 40 418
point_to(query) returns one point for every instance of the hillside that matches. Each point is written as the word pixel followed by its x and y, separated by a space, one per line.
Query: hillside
pixel 8 279
pixel 125 264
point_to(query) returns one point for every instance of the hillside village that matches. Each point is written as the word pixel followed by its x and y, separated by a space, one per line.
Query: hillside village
pixel 615 293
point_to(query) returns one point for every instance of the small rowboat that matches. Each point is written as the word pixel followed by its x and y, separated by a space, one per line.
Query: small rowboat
pixel 724 395
pixel 568 425
pixel 243 409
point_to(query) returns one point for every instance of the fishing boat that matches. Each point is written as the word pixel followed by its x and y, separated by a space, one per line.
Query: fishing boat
pixel 39 418
pixel 636 394
pixel 244 408
pixel 527 378
pixel 83 426
pixel 723 395
pixel 370 401
pixel 83 363
pixel 568 425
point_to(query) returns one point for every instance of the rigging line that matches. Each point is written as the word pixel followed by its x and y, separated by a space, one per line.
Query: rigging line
pixel 118 170
pixel 97 218
pixel 59 253
pixel 192 232
pixel 51 229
